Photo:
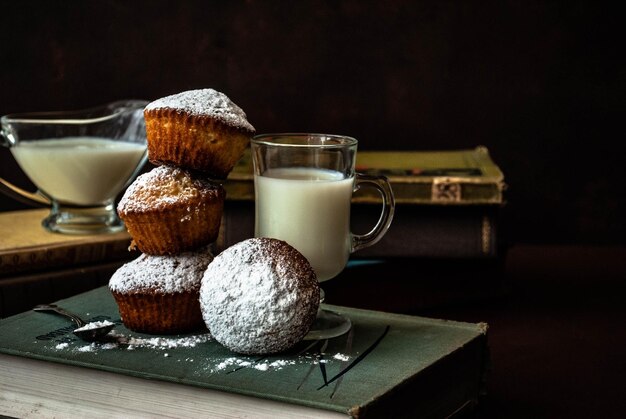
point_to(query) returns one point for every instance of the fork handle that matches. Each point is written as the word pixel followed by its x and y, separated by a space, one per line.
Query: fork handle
pixel 58 310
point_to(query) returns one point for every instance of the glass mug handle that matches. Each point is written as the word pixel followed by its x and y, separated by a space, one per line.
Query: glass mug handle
pixel 380 183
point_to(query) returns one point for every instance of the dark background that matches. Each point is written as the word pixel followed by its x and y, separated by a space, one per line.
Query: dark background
pixel 539 83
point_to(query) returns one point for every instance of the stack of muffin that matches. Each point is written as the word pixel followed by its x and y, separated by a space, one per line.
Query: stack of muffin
pixel 259 296
pixel 173 212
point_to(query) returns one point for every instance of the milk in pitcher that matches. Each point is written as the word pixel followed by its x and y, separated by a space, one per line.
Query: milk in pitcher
pixel 79 170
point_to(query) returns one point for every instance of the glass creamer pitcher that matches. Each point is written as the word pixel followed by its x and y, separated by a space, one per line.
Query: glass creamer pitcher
pixel 79 161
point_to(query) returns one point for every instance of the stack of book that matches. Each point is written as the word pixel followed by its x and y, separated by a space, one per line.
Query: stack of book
pixel 439 249
pixel 37 266
pixel 447 203
pixel 386 366
pixel 445 232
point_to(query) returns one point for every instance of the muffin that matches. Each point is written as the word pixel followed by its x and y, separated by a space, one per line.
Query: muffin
pixel 259 296
pixel 170 210
pixel 201 130
pixel 159 294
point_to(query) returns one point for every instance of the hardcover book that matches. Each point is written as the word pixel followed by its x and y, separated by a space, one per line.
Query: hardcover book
pixel 37 265
pixel 26 247
pixel 388 365
pixel 447 203
pixel 455 177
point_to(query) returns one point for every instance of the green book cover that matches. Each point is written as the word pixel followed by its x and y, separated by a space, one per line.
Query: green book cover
pixel 388 364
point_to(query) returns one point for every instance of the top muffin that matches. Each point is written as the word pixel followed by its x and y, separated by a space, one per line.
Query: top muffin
pixel 201 130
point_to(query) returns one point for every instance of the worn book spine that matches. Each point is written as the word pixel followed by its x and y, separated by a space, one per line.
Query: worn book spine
pixel 93 393
pixel 448 204
pixel 20 293
pixel 457 177
pixel 416 231
pixel 45 258
pixel 27 248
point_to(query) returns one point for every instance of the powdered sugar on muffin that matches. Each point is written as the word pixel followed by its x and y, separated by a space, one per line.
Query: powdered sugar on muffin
pixel 200 130
pixel 160 294
pixel 170 210
pixel 208 102
pixel 259 296
pixel 164 274
pixel 163 185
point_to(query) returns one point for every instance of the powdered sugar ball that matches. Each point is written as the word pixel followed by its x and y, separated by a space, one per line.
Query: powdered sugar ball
pixel 259 296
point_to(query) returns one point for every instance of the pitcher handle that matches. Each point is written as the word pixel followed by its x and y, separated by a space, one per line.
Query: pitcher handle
pixel 380 183
pixel 19 194
pixel 25 197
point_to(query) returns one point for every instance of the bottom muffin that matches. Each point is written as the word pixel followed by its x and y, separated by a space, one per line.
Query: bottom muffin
pixel 159 294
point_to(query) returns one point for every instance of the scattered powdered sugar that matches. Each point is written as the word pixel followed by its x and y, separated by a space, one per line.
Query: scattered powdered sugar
pixel 167 343
pixel 234 363
pixel 94 347
pixel 209 364
pixel 203 102
pixel 264 365
pixel 94 325
pixel 169 273
pixel 119 342
pixel 341 357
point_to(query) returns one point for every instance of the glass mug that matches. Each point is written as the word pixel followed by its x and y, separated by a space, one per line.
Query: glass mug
pixel 303 187
pixel 79 161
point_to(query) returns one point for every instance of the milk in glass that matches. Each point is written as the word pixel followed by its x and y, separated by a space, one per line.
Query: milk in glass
pixel 309 209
